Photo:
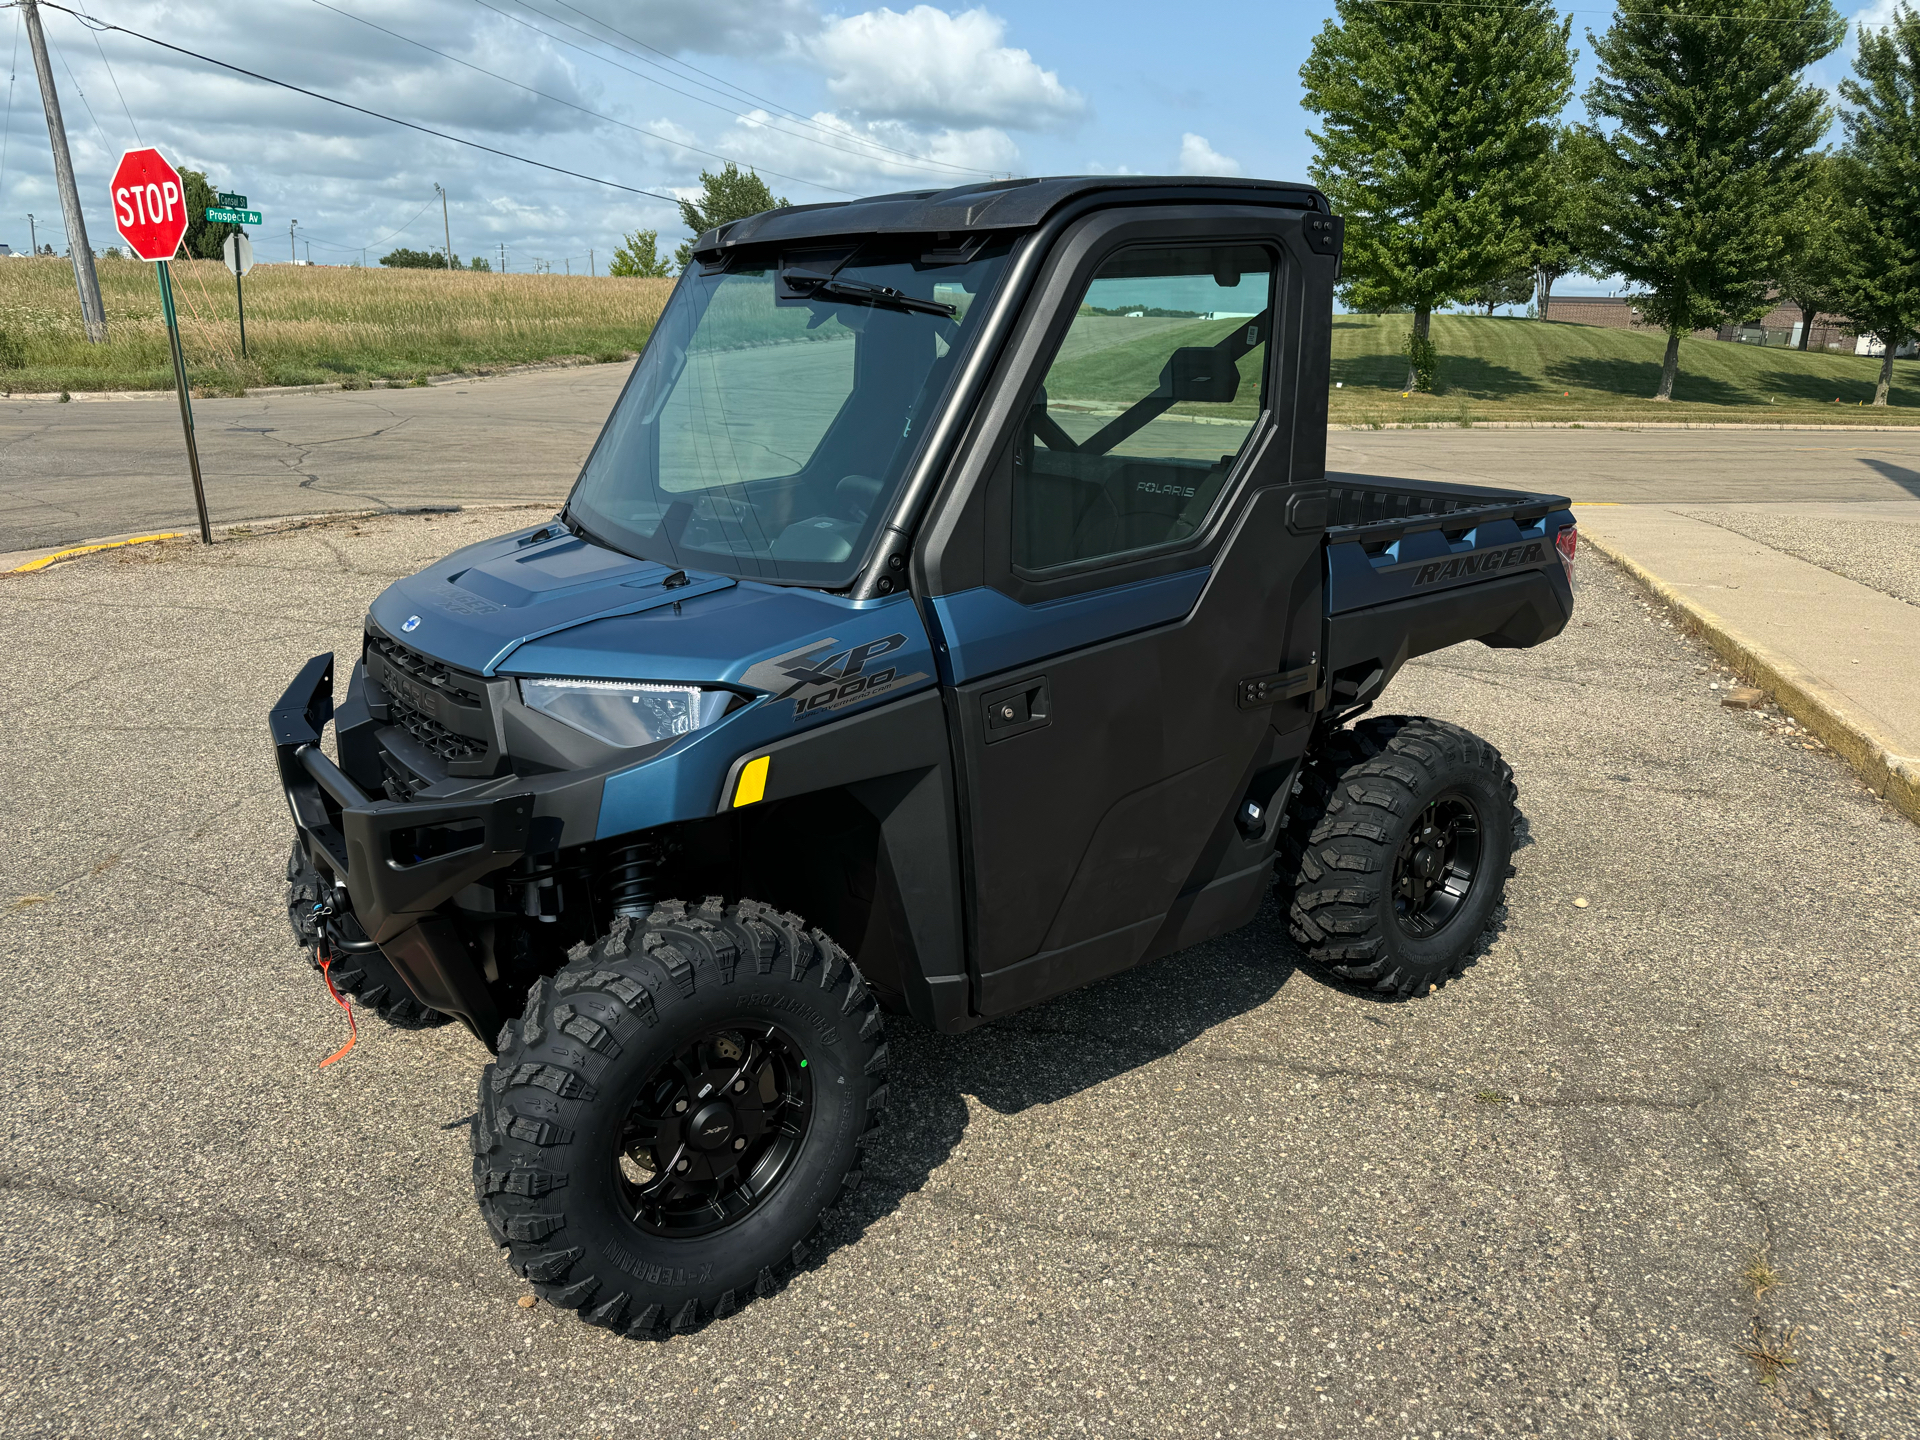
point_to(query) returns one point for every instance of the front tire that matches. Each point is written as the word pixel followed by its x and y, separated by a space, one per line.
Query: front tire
pixel 368 976
pixel 675 1110
pixel 1397 845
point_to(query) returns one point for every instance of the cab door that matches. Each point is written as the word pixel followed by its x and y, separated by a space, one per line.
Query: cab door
pixel 1130 653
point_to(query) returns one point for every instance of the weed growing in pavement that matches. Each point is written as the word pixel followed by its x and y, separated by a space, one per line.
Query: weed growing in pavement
pixel 1491 1098
pixel 1760 1277
pixel 1771 1357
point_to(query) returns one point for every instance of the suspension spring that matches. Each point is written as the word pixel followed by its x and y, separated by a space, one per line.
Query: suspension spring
pixel 633 879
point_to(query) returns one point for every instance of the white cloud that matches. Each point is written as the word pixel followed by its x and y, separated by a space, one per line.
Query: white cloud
pixel 1200 158
pixel 1874 17
pixel 927 66
pixel 861 156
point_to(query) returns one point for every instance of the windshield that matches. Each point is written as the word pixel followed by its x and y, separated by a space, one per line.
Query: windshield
pixel 770 420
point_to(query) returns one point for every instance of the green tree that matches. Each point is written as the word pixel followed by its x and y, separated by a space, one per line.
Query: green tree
pixel 1878 180
pixel 204 237
pixel 1436 124
pixel 1711 140
pixel 639 254
pixel 480 262
pixel 726 195
pixel 1515 288
pixel 1563 223
pixel 405 259
pixel 1812 246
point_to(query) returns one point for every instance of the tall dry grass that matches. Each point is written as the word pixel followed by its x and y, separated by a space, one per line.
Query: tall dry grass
pixel 308 324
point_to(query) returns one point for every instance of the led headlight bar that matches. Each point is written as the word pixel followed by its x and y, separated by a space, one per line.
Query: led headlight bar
pixel 626 713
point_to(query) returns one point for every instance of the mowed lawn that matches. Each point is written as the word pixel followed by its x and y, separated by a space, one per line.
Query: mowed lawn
pixel 1502 368
pixel 308 324
pixel 356 327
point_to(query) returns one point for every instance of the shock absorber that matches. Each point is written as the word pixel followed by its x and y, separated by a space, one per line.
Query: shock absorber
pixel 633 878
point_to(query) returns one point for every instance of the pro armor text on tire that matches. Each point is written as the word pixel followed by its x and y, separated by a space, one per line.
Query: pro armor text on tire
pixel 674 1111
pixel 367 976
pixel 1397 849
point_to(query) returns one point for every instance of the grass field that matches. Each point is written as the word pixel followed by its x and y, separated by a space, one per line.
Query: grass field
pixel 1504 368
pixel 1511 369
pixel 308 324
pixel 360 327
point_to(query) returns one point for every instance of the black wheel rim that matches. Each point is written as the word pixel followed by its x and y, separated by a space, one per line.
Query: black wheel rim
pixel 1438 864
pixel 715 1130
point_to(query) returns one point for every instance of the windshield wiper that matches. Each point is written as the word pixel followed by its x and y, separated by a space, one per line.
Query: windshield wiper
pixel 864 292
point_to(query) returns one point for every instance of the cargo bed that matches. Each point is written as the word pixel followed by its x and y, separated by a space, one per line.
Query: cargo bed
pixel 1416 568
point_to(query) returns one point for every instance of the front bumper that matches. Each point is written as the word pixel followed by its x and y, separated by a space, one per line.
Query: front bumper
pixel 399 861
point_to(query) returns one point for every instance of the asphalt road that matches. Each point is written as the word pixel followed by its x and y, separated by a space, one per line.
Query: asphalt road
pixel 1219 1195
pixel 99 468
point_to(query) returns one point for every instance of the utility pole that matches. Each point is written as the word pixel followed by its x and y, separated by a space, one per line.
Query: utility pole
pixel 503 257
pixel 446 233
pixel 92 312
pixel 33 236
pixel 293 253
pixel 590 262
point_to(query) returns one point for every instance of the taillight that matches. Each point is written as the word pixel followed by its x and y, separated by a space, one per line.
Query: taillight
pixel 1565 543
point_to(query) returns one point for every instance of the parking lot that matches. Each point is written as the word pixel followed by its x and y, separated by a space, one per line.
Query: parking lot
pixel 1639 1137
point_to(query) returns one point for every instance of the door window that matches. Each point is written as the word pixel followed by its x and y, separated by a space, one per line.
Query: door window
pixel 1152 395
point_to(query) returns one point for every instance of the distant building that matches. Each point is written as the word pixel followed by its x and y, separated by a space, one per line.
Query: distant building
pixel 1780 327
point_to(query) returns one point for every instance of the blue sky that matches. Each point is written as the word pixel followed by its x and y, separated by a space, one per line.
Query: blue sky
pixel 824 102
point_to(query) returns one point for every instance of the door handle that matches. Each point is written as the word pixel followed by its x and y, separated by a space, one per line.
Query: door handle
pixel 1012 709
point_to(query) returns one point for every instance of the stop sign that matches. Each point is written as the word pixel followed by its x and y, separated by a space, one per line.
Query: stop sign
pixel 149 204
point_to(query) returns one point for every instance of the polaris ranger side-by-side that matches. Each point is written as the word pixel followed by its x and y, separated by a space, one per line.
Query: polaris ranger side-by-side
pixel 955 610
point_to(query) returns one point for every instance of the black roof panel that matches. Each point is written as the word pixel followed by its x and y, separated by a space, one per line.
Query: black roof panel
pixel 990 205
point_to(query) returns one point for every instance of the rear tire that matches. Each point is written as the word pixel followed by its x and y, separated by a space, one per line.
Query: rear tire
pixel 675 1110
pixel 367 976
pixel 1397 848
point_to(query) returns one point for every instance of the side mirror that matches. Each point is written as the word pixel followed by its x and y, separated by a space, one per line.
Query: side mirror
pixel 1197 372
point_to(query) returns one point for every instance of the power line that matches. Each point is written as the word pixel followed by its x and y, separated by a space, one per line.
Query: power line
pixel 89 21
pixel 494 75
pixel 372 244
pixel 6 136
pixel 116 86
pixel 927 162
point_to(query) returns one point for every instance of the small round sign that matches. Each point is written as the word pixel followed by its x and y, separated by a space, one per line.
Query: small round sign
pixel 149 204
pixel 237 250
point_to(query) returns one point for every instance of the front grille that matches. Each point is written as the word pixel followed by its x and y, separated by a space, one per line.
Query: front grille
pixel 424 669
pixel 448 745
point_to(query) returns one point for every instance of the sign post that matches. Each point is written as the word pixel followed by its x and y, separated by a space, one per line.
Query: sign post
pixel 150 212
pixel 237 251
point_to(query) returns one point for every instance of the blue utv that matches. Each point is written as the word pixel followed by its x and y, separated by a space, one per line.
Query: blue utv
pixel 955 610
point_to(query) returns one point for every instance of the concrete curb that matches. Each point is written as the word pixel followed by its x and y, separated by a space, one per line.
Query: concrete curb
pixel 1823 710
pixel 27 562
pixel 330 387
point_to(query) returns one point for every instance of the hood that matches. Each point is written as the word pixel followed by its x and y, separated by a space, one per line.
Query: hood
pixel 546 602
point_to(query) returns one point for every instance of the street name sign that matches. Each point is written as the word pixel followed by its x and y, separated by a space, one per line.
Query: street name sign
pixel 231 215
pixel 232 201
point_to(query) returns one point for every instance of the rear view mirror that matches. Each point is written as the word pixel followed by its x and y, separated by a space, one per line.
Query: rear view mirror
pixel 1197 372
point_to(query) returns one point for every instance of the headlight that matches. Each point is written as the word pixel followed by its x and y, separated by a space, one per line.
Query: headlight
pixel 626 713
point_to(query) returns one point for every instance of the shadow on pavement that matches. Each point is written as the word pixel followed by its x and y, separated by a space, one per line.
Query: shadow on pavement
pixel 1904 476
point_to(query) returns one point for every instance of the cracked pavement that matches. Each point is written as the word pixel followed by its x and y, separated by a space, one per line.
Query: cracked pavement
pixel 96 469
pixel 1217 1195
